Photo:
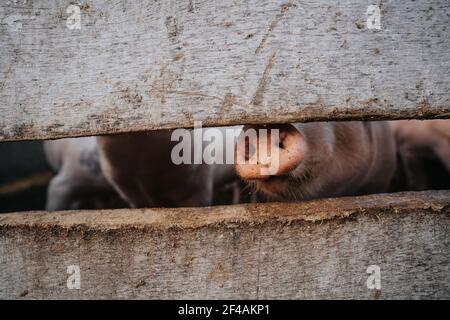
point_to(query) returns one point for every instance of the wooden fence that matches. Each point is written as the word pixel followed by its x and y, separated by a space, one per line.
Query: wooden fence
pixel 104 67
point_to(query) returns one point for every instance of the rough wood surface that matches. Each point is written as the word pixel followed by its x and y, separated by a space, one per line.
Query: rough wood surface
pixel 138 65
pixel 315 249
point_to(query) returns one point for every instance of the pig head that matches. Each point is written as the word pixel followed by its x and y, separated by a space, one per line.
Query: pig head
pixel 316 160
pixel 79 182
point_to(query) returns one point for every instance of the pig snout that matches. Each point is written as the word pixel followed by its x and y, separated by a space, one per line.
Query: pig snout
pixel 264 152
pixel 315 160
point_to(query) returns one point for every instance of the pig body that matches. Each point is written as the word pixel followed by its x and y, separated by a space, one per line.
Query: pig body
pixel 326 160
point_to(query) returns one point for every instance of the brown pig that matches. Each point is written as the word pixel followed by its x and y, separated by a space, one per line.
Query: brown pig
pixel 316 160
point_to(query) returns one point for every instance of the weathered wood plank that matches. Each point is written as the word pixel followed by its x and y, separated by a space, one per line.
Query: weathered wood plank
pixel 316 249
pixel 137 65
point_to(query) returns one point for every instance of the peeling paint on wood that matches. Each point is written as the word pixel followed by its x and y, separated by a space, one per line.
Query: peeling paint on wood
pixel 138 65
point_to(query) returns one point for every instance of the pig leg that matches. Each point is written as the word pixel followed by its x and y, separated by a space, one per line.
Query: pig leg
pixel 61 195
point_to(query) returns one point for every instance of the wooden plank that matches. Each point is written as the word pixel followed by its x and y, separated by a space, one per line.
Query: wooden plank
pixel 138 65
pixel 315 249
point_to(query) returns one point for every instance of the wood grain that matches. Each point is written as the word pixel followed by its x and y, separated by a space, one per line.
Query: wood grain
pixel 314 249
pixel 141 65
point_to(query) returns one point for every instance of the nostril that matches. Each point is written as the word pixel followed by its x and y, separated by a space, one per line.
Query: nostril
pixel 257 153
pixel 281 142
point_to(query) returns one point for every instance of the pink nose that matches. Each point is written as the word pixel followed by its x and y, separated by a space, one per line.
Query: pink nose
pixel 260 154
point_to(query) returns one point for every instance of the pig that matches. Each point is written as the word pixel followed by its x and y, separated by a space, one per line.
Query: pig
pixel 423 154
pixel 140 168
pixel 316 160
pixel 79 182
